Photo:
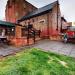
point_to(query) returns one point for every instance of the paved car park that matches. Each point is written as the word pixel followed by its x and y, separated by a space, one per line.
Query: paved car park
pixel 6 50
pixel 47 45
pixel 57 47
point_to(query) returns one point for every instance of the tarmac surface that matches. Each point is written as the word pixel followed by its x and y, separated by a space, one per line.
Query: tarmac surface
pixel 47 45
pixel 57 47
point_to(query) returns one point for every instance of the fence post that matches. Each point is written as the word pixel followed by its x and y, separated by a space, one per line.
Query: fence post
pixel 28 37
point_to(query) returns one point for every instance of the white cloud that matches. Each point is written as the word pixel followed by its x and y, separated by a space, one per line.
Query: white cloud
pixel 2 9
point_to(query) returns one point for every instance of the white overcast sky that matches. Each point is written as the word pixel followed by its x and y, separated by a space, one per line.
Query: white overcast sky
pixel 67 7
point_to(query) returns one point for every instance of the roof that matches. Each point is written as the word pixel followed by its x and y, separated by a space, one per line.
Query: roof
pixel 38 12
pixel 8 24
pixel 63 19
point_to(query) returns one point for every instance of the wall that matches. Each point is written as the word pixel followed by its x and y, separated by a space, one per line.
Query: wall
pixel 15 9
pixel 56 26
pixel 39 23
pixel 18 40
pixel 47 23
pixel 55 19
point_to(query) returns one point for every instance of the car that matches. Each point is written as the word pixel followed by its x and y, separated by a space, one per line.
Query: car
pixel 69 35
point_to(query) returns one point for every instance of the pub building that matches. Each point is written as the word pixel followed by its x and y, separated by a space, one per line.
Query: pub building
pixel 32 23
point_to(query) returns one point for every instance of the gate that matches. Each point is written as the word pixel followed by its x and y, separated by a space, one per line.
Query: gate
pixel 31 32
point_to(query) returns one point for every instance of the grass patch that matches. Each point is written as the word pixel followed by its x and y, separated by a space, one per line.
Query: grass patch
pixel 37 62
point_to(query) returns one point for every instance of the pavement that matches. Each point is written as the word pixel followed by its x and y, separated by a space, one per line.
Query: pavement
pixel 6 50
pixel 47 45
pixel 57 47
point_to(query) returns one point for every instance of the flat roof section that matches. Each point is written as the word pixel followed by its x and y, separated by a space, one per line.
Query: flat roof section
pixel 7 24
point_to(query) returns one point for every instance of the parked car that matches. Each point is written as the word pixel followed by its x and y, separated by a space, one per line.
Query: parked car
pixel 69 35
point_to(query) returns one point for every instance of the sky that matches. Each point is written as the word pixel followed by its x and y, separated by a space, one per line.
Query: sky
pixel 66 7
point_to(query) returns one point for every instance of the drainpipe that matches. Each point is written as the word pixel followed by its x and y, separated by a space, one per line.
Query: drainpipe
pixel 57 15
pixel 61 26
pixel 48 24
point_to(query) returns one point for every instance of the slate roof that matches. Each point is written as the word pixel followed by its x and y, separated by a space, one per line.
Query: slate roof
pixel 39 11
pixel 8 24
pixel 63 19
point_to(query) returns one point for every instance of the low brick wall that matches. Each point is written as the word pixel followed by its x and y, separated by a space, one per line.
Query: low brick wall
pixel 21 41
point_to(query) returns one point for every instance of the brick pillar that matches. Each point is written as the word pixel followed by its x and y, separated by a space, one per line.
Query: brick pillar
pixel 18 32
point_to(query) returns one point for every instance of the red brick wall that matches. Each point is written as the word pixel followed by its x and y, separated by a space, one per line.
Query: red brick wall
pixel 54 20
pixel 15 10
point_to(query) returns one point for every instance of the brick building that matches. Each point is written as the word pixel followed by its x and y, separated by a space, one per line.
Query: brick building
pixel 15 9
pixel 46 19
pixel 65 25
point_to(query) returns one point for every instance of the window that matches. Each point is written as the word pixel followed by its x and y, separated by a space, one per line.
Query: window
pixel 10 32
pixel 42 21
pixel 24 32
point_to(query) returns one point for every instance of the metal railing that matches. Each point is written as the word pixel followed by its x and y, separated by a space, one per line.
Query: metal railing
pixel 32 33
